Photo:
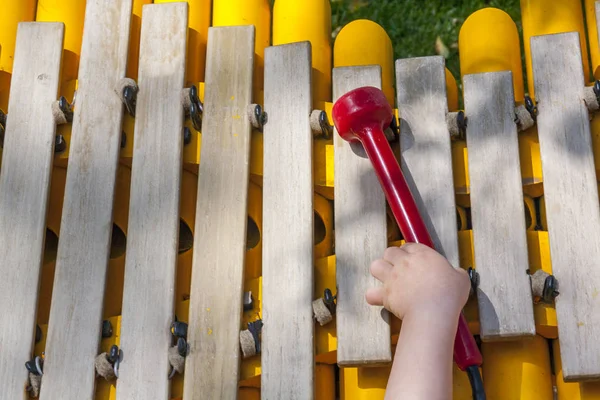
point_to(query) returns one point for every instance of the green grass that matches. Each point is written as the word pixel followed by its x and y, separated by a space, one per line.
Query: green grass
pixel 414 25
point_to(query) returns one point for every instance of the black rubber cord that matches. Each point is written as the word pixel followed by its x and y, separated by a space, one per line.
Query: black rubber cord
pixel 476 382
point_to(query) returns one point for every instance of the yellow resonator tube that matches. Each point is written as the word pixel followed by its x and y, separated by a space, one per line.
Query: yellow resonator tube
pixel 364 42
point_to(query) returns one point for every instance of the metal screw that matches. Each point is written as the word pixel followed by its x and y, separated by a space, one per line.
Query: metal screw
pixel 248 301
pixel 60 145
pixel 532 108
pixel 255 329
pixel 462 122
pixel 107 329
pixel 550 289
pixel 179 329
pixel 187 136
pixel 474 277
pixel 329 300
pixel 38 334
pixel 130 99
pixel 196 108
pixel 182 347
pixel 260 116
pixel 326 128
pixel 66 108
pixel 113 354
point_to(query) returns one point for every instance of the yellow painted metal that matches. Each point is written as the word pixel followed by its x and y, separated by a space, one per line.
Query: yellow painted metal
pixel 323 159
pixel 248 12
pixel 465 249
pixel 543 17
pixel 191 151
pixel 530 214
pixel 115 274
pixel 460 169
pixel 592 30
pixel 308 20
pixel 364 42
pixel 543 220
pixel 572 390
pixel 57 191
pixel 393 232
pixel 461 218
pixel 13 12
pixel 482 49
pixel 324 382
pixel 198 23
pixel 459 148
pixel 451 91
pixel 467 260
pixel 323 227
pixel 595 128
pixel 517 370
pixel 461 388
pixel 531 162
pixel 71 13
pixel 134 38
pixel 325 336
pixel 363 383
pixel 187 207
pixel 539 258
pixel 255 287
pixel 256 157
pixel 67 89
pixel 106 390
pixel 246 393
pixel 40 346
pixel 253 267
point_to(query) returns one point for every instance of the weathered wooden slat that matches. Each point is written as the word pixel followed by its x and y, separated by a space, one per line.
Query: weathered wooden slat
pixel 86 225
pixel 24 187
pixel 426 157
pixel 363 331
pixel 153 229
pixel 212 367
pixel 288 333
pixel 497 208
pixel 571 196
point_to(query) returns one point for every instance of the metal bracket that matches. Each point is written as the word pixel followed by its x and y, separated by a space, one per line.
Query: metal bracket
pixel 196 108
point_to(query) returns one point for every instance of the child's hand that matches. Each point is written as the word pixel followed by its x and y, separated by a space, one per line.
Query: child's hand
pixel 417 279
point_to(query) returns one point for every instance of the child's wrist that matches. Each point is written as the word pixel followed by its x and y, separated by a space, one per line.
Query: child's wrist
pixel 441 317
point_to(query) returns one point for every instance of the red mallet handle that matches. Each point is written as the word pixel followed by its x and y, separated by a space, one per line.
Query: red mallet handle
pixel 361 115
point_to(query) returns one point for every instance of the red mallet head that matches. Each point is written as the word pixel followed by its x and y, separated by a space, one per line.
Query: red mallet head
pixel 361 108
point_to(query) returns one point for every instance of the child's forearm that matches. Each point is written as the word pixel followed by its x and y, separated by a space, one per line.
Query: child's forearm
pixel 424 351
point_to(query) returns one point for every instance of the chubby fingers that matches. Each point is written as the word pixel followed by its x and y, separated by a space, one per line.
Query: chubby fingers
pixel 381 269
pixel 394 254
pixel 374 296
pixel 412 248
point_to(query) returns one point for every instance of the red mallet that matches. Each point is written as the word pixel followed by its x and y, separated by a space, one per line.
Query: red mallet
pixel 361 116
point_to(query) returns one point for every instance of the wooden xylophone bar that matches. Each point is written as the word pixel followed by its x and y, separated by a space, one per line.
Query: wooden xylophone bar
pixel 229 228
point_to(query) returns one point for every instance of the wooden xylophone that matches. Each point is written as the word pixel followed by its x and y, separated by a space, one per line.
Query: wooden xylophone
pixel 167 195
